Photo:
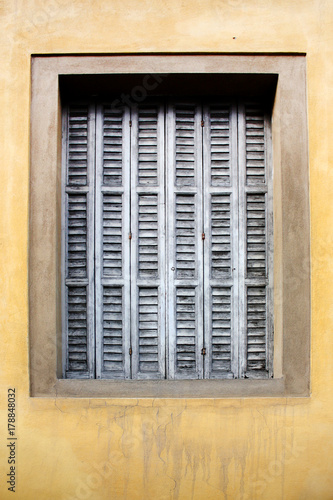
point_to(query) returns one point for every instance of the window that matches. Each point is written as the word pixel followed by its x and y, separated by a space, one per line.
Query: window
pixel 276 80
pixel 168 231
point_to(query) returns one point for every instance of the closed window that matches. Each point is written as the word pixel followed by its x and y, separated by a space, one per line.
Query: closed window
pixel 167 229
pixel 86 341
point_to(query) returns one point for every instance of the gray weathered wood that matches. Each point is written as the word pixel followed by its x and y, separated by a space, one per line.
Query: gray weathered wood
pixel 148 241
pixel 184 237
pixel 270 245
pixel 220 181
pixel 112 244
pixel 78 240
pixel 167 243
pixel 256 242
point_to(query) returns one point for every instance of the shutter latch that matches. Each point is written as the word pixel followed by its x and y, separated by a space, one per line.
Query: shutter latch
pixel 203 351
pixel 129 236
pixel 130 123
pixel 203 236
pixel 130 351
pixel 202 123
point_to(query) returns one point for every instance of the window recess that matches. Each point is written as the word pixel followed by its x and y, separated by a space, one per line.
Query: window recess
pixel 167 249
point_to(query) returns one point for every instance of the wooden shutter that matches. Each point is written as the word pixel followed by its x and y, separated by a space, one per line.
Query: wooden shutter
pixel 112 245
pixel 177 220
pixel 256 240
pixel 77 243
pixel 148 241
pixel 221 240
pixel 184 237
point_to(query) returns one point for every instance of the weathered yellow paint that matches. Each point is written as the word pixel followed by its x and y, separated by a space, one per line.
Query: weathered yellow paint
pixel 164 449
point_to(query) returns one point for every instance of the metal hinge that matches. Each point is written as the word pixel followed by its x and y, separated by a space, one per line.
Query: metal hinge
pixel 130 351
pixel 202 123
pixel 203 236
pixel 130 123
pixel 129 236
pixel 203 351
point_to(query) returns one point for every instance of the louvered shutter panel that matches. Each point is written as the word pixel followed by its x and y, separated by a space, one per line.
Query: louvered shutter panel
pixel 177 220
pixel 112 245
pixel 148 241
pixel 77 242
pixel 256 240
pixel 184 237
pixel 221 240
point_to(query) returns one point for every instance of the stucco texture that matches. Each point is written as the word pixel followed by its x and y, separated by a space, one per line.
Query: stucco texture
pixel 244 448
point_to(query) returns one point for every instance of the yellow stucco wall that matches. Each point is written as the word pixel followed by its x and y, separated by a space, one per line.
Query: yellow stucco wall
pixel 164 449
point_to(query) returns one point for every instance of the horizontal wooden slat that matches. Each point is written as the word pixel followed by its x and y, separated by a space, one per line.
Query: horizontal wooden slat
pixel 219 139
pixel 77 234
pixel 113 331
pixel 148 244
pixel 186 330
pixel 185 144
pixel 256 306
pixel 221 333
pixel 112 146
pixel 186 228
pixel 256 261
pixel 255 145
pixel 148 329
pixel 112 235
pixel 148 145
pixel 220 245
pixel 77 146
pixel 77 329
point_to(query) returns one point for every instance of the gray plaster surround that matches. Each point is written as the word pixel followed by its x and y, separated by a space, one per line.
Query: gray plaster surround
pixel 292 310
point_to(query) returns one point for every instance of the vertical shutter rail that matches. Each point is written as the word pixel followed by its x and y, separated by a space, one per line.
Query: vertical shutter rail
pixel 184 236
pixel 148 241
pixel 257 237
pixel 77 241
pixel 112 253
pixel 220 186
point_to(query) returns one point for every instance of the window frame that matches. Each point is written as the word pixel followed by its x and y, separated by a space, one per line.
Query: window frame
pixel 291 227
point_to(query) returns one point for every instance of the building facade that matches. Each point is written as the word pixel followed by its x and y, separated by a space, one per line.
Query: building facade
pixel 77 440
